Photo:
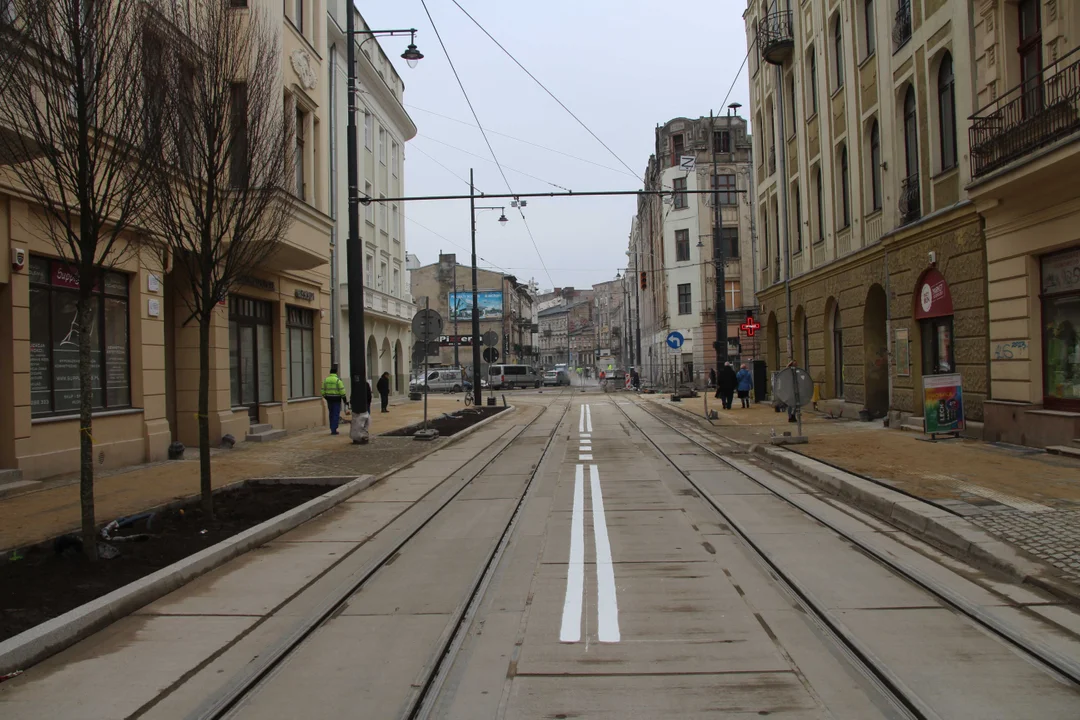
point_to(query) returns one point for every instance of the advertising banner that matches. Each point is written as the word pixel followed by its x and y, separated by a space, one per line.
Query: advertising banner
pixel 489 301
pixel 943 404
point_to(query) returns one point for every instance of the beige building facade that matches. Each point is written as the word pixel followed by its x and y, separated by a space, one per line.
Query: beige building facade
pixel 1025 159
pixel 270 342
pixel 861 166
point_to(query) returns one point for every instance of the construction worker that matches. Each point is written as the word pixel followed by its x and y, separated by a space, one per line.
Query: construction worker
pixel 333 391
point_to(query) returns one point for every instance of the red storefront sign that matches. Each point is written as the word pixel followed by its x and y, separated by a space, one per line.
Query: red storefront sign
pixel 932 296
pixel 750 327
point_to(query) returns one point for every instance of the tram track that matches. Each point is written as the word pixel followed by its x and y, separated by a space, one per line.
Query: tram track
pixel 231 697
pixel 891 686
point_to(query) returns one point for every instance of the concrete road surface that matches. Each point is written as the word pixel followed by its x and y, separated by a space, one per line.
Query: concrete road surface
pixel 584 557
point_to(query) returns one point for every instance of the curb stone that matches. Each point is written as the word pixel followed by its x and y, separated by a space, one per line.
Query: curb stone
pixel 958 537
pixel 38 643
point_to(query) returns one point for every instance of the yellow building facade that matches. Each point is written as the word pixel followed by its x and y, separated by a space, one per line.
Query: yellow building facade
pixel 270 343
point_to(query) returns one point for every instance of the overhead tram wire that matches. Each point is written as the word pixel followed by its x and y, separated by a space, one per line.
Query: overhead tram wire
pixel 480 157
pixel 480 125
pixel 429 157
pixel 543 87
pixel 490 263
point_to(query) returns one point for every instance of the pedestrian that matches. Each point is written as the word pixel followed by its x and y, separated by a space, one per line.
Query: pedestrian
pixel 744 384
pixel 635 379
pixel 383 386
pixel 726 383
pixel 712 379
pixel 333 391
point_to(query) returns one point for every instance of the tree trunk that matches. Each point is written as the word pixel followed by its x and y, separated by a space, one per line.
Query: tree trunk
pixel 84 312
pixel 205 486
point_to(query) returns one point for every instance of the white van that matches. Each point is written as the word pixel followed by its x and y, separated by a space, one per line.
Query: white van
pixel 440 380
pixel 512 376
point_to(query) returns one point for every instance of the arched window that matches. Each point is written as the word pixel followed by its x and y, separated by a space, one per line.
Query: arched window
pixel 911 135
pixel 838 40
pixel 875 165
pixel 947 112
pixel 845 205
pixel 820 204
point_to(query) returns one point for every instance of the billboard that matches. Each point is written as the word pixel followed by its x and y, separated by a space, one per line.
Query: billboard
pixel 489 301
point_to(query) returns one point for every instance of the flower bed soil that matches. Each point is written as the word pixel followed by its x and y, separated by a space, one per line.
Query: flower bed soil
pixel 448 425
pixel 52 578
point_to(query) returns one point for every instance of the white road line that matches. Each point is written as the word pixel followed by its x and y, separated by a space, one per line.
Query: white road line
pixel 581 421
pixel 584 448
pixel 575 574
pixel 585 457
pixel 607 605
pixel 585 435
pixel 588 417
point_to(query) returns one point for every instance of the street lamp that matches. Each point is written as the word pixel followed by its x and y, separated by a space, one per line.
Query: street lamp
pixel 475 301
pixel 354 258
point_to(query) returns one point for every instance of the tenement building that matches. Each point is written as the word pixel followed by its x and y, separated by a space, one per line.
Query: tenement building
pixel 862 168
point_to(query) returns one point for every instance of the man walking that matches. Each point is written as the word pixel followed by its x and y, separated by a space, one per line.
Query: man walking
pixel 383 386
pixel 726 382
pixel 744 384
pixel 333 391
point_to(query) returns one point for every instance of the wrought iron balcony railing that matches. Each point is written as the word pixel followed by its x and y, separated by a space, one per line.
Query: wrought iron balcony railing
pixel 775 37
pixel 1032 115
pixel 910 204
pixel 901 32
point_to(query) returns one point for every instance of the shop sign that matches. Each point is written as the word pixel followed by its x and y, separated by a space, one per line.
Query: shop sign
pixel 943 404
pixel 259 283
pixel 933 298
pixel 304 294
pixel 1061 273
pixel 458 340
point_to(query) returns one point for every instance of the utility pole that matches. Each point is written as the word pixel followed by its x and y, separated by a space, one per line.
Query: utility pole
pixel 718 257
pixel 453 311
pixel 354 258
pixel 477 399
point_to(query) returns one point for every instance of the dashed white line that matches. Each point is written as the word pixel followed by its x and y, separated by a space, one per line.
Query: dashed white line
pixel 607 605
pixel 575 576
pixel 581 421
pixel 588 418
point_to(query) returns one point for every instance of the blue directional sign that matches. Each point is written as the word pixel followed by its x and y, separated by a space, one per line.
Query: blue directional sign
pixel 675 340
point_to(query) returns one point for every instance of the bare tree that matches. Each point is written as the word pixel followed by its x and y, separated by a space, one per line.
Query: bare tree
pixel 74 117
pixel 221 201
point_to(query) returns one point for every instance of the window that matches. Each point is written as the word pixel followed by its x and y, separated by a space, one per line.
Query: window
pixel 238 143
pixel 1030 51
pixel 937 346
pixel 679 185
pixel 394 222
pixel 369 209
pixel 729 242
pixel 396 288
pixel 394 158
pixel 721 141
pixel 812 84
pixel 383 225
pixel 676 148
pixel 820 205
pixel 838 352
pixel 1061 330
pixel 369 263
pixel 868 27
pixel 369 128
pixel 299 161
pixel 54 340
pixel 684 299
pixel 838 42
pixel 682 245
pixel 726 186
pixel 238 3
pixel 300 325
pixel 798 222
pixel 382 276
pixel 382 146
pixel 732 290
pixel 947 112
pixel 845 204
pixel 794 106
pixel 875 166
pixel 298 15
pixel 911 135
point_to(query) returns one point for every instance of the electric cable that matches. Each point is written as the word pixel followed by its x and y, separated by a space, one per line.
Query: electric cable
pixel 481 157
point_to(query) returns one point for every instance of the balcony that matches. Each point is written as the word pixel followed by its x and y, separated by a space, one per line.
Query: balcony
pixel 775 38
pixel 306 244
pixel 1032 115
pixel 910 205
pixel 901 32
pixel 380 303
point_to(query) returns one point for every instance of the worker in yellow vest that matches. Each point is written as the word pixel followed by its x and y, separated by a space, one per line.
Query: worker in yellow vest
pixel 333 391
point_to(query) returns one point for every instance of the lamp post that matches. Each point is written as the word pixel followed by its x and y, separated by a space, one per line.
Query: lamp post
pixel 354 259
pixel 475 301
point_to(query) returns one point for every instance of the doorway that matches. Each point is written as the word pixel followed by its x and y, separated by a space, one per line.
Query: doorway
pixel 251 353
pixel 876 352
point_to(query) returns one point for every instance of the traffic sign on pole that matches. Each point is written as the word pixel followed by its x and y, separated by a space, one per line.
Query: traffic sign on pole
pixel 675 340
pixel 491 338
pixel 491 355
pixel 427 325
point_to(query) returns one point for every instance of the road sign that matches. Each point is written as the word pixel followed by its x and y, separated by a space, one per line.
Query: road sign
pixel 491 355
pixel 687 163
pixel 784 387
pixel 675 340
pixel 751 326
pixel 427 325
pixel 491 338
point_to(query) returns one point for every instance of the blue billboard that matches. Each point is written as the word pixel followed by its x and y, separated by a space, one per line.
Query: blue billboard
pixel 490 303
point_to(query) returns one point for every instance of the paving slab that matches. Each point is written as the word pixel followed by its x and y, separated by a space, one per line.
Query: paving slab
pixel 635 536
pixel 768 514
pixel 397 488
pixel 493 487
pixel 348 522
pixel 485 661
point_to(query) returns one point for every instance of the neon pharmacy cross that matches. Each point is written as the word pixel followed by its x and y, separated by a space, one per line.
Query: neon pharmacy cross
pixel 750 327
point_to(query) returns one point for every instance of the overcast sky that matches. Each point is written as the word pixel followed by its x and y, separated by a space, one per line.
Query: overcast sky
pixel 622 66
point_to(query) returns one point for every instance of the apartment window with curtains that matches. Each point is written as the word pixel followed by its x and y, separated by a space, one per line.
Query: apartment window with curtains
pixel 300 324
pixel 725 185
pixel 947 112
pixel 685 306
pixel 682 246
pixel 679 186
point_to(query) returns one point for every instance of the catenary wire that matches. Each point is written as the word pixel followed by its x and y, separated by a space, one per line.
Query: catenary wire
pixel 480 157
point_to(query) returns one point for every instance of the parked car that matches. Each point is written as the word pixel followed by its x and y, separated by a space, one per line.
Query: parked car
pixel 441 380
pixel 512 376
pixel 554 378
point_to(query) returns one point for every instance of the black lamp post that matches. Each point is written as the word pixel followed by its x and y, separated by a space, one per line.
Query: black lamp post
pixel 354 258
pixel 475 301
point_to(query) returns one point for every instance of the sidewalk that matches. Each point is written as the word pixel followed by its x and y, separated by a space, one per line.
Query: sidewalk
pixel 38 513
pixel 1026 497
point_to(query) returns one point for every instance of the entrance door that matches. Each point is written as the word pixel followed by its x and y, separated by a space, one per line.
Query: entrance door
pixel 251 353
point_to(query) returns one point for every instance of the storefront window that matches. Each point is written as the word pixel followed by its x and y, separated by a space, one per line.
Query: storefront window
pixel 1061 328
pixel 301 328
pixel 54 340
pixel 937 346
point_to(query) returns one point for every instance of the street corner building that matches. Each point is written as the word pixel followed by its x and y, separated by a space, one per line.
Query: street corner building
pixel 270 339
pixel 864 205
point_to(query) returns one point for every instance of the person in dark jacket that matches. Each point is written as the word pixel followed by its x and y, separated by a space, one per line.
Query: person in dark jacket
pixel 726 383
pixel 383 386
pixel 744 384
